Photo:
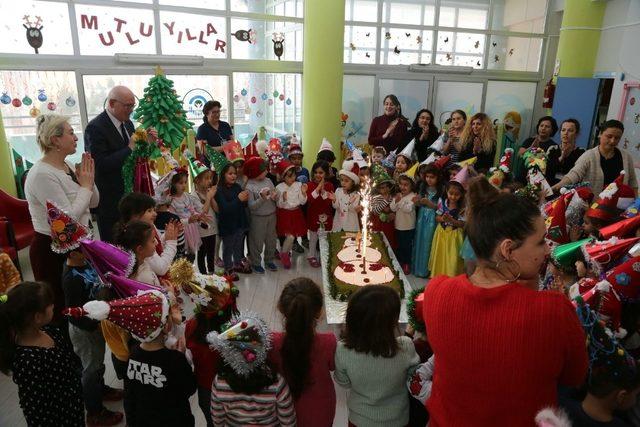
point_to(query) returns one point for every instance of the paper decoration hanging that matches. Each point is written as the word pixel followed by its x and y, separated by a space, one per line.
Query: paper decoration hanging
pixel 446 40
pixel 52 106
pixel 511 52
pixel 259 113
pixel 270 101
pixel 243 92
pixel 5 98
pixel 275 93
pixel 236 98
pixel 496 58
pixel 245 36
pixel 264 96
pixel 41 95
pixel 396 50
pixel 387 35
pixel 368 34
pixel 34 112
pixel 476 44
pixel 253 99
pixel 70 102
pixel 352 46
pixel 288 101
pixel 16 102
pixel 26 100
pixel 247 110
pixel 34 31
pixel 367 55
pixel 419 40
pixel 494 44
pixel 281 97
pixel 278 44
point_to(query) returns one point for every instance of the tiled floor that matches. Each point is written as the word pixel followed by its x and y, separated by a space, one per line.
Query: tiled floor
pixel 258 293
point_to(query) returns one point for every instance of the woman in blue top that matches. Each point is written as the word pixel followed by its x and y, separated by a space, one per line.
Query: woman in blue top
pixel 213 130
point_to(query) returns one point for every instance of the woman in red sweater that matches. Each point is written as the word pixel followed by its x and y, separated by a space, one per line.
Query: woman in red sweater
pixel 389 130
pixel 501 346
pixel 305 357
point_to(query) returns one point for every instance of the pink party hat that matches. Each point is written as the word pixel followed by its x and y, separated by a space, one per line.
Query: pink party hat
pixel 462 177
pixel 107 258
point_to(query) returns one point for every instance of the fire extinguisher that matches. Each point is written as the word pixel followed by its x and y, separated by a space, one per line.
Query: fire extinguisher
pixel 549 91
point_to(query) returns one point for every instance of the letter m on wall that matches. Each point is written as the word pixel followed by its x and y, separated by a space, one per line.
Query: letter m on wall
pixel 91 24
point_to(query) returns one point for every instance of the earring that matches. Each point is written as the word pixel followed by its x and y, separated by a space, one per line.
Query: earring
pixel 515 278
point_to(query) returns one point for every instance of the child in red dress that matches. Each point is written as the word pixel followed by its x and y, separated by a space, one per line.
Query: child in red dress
pixel 291 195
pixel 319 209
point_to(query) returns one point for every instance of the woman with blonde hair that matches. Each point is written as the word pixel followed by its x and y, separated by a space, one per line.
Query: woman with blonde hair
pixel 70 187
pixel 478 139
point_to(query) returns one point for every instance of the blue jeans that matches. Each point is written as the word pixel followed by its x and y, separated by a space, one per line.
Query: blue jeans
pixel 89 346
pixel 233 249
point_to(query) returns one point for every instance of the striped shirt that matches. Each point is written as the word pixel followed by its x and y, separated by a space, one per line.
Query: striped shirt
pixel 273 406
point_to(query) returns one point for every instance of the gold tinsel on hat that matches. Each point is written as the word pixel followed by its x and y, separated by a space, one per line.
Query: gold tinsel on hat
pixel 181 272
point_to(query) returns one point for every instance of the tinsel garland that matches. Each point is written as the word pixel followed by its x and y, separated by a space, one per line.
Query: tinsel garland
pixel 415 322
pixel 144 150
pixel 181 272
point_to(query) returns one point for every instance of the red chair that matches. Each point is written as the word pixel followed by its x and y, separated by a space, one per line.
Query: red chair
pixel 8 241
pixel 16 211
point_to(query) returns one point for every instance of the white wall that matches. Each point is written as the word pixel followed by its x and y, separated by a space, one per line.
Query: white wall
pixel 619 49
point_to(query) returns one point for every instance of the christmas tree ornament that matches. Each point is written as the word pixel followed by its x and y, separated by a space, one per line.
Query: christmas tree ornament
pixel 259 114
pixel 26 100
pixel 278 44
pixel 243 92
pixel 247 110
pixel 236 98
pixel 70 102
pixel 288 101
pixel 16 102
pixel 5 98
pixel 264 96
pixel 275 93
pixel 52 106
pixel 41 95
pixel 253 99
pixel 270 102
pixel 281 97
pixel 34 112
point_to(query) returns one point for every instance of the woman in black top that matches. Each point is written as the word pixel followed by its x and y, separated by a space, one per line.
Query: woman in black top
pixel 479 140
pixel 213 130
pixel 561 158
pixel 546 128
pixel 425 132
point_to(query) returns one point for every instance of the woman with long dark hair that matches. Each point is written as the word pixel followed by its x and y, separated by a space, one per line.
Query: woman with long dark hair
pixel 502 347
pixel 424 131
pixel 303 356
pixel 390 129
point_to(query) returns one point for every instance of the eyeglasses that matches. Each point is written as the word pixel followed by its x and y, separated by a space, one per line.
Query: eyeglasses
pixel 129 106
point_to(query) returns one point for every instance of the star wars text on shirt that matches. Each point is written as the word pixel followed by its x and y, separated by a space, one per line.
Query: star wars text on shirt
pixel 146 374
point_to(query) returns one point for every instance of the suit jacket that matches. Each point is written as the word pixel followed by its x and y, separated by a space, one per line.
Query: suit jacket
pixel 109 151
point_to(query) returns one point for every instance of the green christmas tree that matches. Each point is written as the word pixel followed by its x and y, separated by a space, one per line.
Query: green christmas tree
pixel 161 109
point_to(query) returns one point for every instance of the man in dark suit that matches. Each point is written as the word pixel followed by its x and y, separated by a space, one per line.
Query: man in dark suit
pixel 108 139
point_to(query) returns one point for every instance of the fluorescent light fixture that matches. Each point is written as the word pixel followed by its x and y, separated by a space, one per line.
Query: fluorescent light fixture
pixel 135 58
pixel 436 68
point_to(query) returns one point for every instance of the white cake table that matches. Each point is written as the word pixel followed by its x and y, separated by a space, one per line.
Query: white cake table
pixel 337 310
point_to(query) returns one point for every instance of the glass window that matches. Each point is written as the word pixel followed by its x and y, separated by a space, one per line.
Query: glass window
pixel 293 8
pixel 137 1
pixel 357 102
pixel 405 46
pixel 108 30
pixel 514 53
pixel 191 34
pixel 251 39
pixel 412 94
pixel 465 96
pixel 511 103
pixel 464 14
pixel 30 93
pixel 408 12
pixel 194 90
pixel 361 10
pixel 526 16
pixel 460 49
pixel 48 33
pixel 272 100
pixel 201 4
pixel 360 44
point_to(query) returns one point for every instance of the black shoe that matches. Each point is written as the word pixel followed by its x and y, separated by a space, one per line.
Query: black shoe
pixel 297 248
pixel 305 242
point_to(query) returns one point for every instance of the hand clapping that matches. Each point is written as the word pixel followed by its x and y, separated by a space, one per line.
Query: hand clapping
pixel 85 171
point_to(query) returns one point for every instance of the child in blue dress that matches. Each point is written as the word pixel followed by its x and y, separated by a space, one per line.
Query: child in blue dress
pixel 429 191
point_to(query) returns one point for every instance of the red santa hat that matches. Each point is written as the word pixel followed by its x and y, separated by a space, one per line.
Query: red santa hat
pixel 254 166
pixel 625 279
pixel 442 162
pixel 604 300
pixel 557 221
pixel 283 167
pixel 143 315
pixel 351 170
pixel 605 252
pixel 233 151
pixel 623 228
pixel 294 148
pixel 612 201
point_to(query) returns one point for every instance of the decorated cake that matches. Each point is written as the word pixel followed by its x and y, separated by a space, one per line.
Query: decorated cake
pixel 354 263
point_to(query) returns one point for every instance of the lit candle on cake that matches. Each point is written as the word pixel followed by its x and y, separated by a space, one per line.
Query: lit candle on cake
pixel 365 198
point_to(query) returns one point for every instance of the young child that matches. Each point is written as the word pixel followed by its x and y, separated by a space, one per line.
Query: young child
pixel 319 209
pixel 383 218
pixel 203 195
pixel 402 165
pixel 262 208
pixel 159 381
pixel 247 391
pixel 9 275
pixel 326 153
pixel 378 154
pixel 429 191
pixel 241 178
pixel 214 309
pixel 232 220
pixel 295 157
pixel 404 207
pixel 304 357
pixel 346 199
pixel 372 362
pixel 290 196
pixel 141 207
pixel 183 206
pixel 40 360
pixel 449 235
pixel 137 236
pixel 81 284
